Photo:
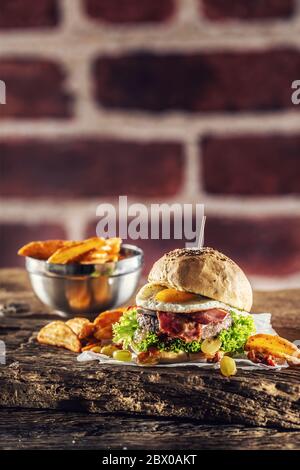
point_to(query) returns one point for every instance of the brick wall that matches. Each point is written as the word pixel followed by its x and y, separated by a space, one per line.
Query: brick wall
pixel 162 100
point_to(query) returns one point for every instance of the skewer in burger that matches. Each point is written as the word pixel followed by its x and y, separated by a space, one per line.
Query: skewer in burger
pixel 195 306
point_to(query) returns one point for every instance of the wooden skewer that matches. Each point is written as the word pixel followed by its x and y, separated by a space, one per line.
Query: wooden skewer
pixel 201 236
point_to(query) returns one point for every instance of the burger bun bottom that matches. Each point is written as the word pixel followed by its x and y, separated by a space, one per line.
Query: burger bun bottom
pixel 167 357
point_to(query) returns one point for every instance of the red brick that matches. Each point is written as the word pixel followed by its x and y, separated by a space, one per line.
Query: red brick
pixel 247 9
pixel 13 236
pixel 223 81
pixel 251 165
pixel 131 11
pixel 261 245
pixel 28 14
pixel 84 168
pixel 34 89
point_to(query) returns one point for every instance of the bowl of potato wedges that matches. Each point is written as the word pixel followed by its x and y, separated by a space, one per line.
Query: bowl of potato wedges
pixel 83 277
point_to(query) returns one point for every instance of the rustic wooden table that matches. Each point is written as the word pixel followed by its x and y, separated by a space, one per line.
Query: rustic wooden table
pixel 49 400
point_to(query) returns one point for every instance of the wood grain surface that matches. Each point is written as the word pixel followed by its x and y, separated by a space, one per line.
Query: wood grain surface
pixel 42 386
pixel 60 430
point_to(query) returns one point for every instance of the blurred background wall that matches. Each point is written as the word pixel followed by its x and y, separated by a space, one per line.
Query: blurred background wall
pixel 160 100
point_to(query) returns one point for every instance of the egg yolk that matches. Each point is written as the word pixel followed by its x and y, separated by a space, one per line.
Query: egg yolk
pixel 174 296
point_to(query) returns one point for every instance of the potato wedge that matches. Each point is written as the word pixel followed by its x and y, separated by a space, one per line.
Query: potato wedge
pixel 93 346
pixel 108 252
pixel 114 245
pixel 273 345
pixel 73 253
pixel 96 259
pixel 76 324
pixel 41 250
pixel 108 317
pixel 57 333
pixel 104 333
pixel 104 322
pixel 87 331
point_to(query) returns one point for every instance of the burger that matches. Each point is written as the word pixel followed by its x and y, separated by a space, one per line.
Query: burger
pixel 195 306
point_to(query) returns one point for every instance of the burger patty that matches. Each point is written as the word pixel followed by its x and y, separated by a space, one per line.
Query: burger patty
pixel 212 329
pixel 147 321
pixel 189 327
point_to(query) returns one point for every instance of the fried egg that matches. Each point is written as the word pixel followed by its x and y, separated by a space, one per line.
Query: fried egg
pixel 159 298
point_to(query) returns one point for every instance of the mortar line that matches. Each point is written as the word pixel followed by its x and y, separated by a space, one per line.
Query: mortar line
pixel 203 37
pixel 58 209
pixel 143 126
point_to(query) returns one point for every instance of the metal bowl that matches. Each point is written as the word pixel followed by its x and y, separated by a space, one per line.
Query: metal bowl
pixel 86 289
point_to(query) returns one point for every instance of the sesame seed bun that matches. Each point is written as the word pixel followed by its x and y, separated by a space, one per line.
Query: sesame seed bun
pixel 206 272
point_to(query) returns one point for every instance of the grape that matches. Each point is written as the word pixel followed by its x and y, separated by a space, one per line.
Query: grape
pixel 211 346
pixel 227 366
pixel 108 350
pixel 122 355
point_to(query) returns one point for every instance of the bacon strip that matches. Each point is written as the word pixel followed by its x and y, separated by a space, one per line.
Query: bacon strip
pixel 211 316
pixel 189 327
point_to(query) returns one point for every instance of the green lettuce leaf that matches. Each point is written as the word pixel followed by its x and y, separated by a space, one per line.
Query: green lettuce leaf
pixel 124 330
pixel 234 339
pixel 173 345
